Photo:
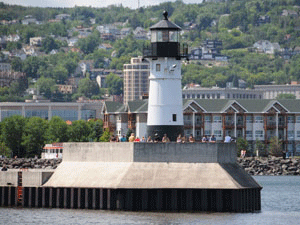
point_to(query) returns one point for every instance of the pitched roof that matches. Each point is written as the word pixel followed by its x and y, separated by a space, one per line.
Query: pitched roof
pixel 137 106
pixel 114 107
pixel 211 105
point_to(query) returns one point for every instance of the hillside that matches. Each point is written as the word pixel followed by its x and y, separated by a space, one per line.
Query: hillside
pixel 71 35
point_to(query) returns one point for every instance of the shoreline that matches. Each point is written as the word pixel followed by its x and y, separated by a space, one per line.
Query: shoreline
pixel 257 166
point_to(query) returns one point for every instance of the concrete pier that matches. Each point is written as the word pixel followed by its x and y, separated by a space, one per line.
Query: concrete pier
pixel 144 177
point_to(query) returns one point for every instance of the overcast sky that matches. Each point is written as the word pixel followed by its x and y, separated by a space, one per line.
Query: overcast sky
pixel 93 3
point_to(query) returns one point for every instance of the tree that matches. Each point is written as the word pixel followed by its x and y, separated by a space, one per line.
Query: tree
pixel 49 44
pixel 114 83
pixel 87 88
pixel 105 136
pixel 57 130
pixel 12 133
pixel 4 150
pixel 96 127
pixel 46 86
pixel 79 131
pixel 17 64
pixel 261 148
pixel 275 147
pixel 34 137
pixel 242 144
pixel 285 96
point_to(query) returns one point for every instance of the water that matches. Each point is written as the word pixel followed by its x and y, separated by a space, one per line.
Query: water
pixel 280 205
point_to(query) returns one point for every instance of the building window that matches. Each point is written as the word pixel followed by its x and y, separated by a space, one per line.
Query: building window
pixel 203 96
pixel 207 132
pixel 249 134
pixel 207 119
pixel 249 119
pixel 290 119
pixel 183 96
pixel 193 95
pixel 198 96
pixel 298 148
pixel 187 96
pixel 174 117
pixel 218 133
pixel 218 96
pixel 217 119
pixel 297 119
pixel 291 135
pixel 157 67
pixel 298 133
pixel 258 119
pixel 259 134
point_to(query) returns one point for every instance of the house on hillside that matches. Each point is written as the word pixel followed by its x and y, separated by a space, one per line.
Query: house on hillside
pixel 263 20
pixel 36 41
pixel 267 47
pixel 63 17
pixel 140 33
pixel 13 38
pixel 291 13
pixel 29 19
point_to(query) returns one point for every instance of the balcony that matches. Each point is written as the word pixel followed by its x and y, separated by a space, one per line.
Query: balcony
pixel 165 49
pixel 271 124
pixel 229 124
pixel 240 124
pixel 199 124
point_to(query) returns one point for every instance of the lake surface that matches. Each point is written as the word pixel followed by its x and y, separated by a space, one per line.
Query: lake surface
pixel 280 205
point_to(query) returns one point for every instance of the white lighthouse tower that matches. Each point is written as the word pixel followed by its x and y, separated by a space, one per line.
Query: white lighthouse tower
pixel 165 96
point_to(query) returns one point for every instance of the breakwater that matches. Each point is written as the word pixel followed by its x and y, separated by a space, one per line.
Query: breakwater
pixel 253 165
pixel 270 166
pixel 30 163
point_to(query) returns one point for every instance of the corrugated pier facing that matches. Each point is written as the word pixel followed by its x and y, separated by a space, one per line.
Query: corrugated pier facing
pixel 139 177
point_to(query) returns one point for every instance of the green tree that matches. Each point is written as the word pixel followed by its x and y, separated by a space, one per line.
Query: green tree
pixel 114 84
pixel 105 136
pixel 96 127
pixel 12 133
pixel 46 86
pixel 261 149
pixel 49 44
pixel 17 64
pixel 79 131
pixel 275 147
pixel 242 144
pixel 34 137
pixel 4 150
pixel 285 96
pixel 57 130
pixel 87 88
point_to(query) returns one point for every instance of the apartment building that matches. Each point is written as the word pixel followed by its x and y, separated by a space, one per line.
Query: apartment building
pixel 221 93
pixel 136 82
pixel 256 119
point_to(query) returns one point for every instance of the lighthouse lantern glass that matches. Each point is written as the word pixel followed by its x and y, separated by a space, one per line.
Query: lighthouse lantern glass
pixel 164 36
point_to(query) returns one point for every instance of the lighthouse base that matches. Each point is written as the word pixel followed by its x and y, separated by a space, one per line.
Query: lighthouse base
pixel 171 131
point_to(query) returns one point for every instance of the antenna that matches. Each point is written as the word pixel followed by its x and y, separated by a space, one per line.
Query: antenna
pixel 138 4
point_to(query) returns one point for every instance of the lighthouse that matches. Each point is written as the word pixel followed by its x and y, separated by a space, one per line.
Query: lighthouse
pixel 165 96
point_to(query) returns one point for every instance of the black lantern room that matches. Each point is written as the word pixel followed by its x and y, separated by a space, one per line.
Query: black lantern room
pixel 165 41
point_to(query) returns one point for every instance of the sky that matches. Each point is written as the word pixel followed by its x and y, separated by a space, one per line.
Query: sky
pixel 94 3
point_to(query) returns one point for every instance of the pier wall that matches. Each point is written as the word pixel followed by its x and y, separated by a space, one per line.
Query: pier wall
pixel 139 177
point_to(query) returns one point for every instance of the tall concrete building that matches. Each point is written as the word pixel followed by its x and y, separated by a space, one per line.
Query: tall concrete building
pixel 136 82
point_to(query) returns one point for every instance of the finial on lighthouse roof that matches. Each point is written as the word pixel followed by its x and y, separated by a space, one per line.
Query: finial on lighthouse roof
pixel 165 14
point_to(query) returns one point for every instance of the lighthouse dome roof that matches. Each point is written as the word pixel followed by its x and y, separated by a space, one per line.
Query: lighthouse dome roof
pixel 165 24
